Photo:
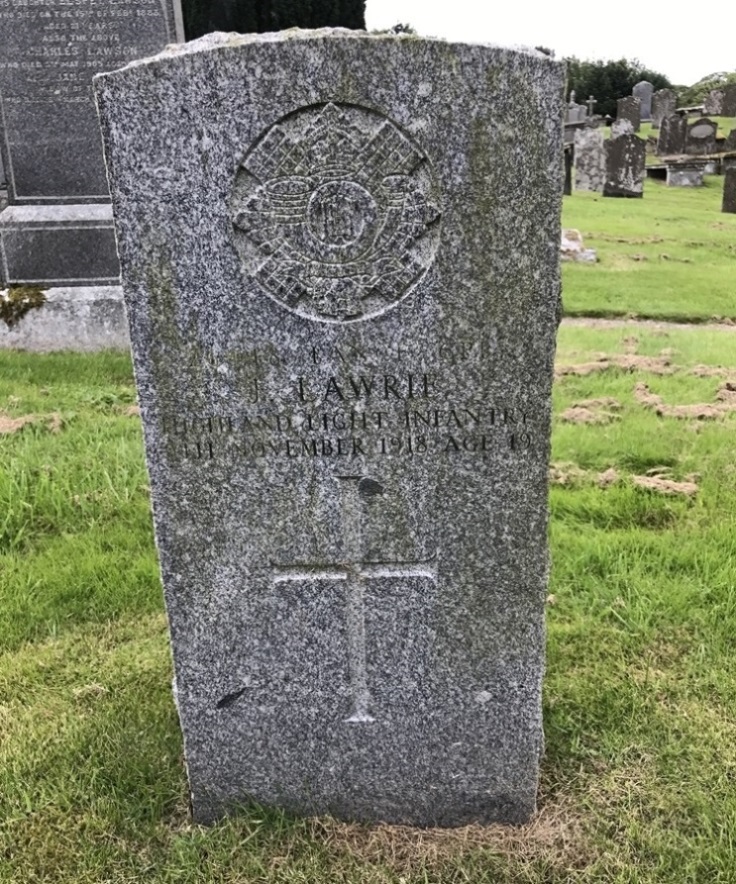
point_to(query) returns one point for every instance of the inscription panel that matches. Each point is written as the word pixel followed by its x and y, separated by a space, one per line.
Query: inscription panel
pixel 336 212
pixel 49 53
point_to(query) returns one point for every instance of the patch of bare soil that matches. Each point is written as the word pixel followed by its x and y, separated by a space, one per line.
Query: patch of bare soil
pixel 662 485
pixel 609 477
pixel 9 425
pixel 661 365
pixel 726 404
pixel 601 402
pixel 565 473
pixel 587 416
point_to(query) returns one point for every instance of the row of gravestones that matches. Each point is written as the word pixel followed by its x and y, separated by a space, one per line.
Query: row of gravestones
pixel 678 136
pixel 613 166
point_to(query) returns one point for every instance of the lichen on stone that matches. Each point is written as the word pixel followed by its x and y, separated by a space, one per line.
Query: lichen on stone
pixel 17 300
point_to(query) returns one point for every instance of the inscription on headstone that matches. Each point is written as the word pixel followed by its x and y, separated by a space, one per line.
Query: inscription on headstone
pixel 51 144
pixel 343 309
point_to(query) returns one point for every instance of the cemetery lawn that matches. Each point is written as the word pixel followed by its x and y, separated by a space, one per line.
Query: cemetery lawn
pixel 639 779
pixel 669 255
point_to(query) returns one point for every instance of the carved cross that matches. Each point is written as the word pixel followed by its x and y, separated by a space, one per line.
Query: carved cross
pixel 591 103
pixel 355 572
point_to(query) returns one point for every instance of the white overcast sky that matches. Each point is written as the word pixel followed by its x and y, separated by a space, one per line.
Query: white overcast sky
pixel 683 40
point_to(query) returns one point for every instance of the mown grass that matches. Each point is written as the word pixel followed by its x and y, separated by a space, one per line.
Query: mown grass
pixel 639 780
pixel 669 255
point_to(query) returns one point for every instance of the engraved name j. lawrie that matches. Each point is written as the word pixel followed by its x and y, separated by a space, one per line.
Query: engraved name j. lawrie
pixel 355 573
pixel 335 212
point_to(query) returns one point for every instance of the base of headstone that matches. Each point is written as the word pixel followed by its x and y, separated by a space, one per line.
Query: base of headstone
pixel 86 318
pixel 67 245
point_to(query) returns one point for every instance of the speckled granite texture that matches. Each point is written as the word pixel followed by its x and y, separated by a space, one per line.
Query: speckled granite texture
pixel 340 260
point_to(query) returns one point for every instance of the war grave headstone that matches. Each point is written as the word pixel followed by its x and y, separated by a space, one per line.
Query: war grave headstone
pixel 57 229
pixel 343 309
pixel 713 104
pixel 643 91
pixel 629 108
pixel 590 160
pixel 700 137
pixel 729 191
pixel 625 166
pixel 664 104
pixel 672 134
pixel 728 105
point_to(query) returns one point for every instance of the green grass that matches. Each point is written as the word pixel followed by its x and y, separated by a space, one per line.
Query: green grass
pixel 639 779
pixel 669 255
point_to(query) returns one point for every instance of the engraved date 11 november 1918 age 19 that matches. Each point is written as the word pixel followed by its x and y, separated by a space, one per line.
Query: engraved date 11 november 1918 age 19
pixel 351 416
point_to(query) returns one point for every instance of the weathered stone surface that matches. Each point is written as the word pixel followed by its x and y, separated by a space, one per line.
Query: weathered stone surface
pixel 664 104
pixel 629 108
pixel 50 141
pixel 621 127
pixel 625 166
pixel 728 105
pixel 685 174
pixel 713 104
pixel 590 160
pixel 729 190
pixel 572 247
pixel 730 143
pixel 84 318
pixel 339 257
pixel 700 137
pixel 568 160
pixel 672 135
pixel 644 91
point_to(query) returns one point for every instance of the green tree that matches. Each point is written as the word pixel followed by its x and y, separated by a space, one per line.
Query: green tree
pixel 249 16
pixel 696 94
pixel 608 81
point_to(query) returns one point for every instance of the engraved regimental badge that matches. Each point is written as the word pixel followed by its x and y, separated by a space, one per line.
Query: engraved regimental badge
pixel 336 212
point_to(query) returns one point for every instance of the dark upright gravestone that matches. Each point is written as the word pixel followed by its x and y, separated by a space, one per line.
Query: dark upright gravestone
pixel 700 137
pixel 590 160
pixel 57 229
pixel 625 166
pixel 664 103
pixel 728 106
pixel 672 133
pixel 343 293
pixel 643 91
pixel 629 108
pixel 569 160
pixel 729 191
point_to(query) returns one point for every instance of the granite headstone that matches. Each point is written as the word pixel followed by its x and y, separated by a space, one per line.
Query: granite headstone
pixel 625 166
pixel 700 137
pixel 57 229
pixel 672 134
pixel 643 91
pixel 664 103
pixel 729 191
pixel 590 160
pixel 340 261
pixel 629 108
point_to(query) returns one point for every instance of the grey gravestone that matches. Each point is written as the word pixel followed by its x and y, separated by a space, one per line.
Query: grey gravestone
pixel 729 144
pixel 700 137
pixel 621 127
pixel 590 160
pixel 664 104
pixel 625 166
pixel 729 191
pixel 684 174
pixel 672 134
pixel 643 91
pixel 343 294
pixel 713 104
pixel 629 108
pixel 58 228
pixel 728 106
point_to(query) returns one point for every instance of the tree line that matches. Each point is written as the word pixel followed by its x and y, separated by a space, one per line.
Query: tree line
pixel 608 81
